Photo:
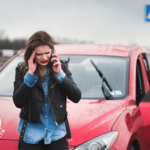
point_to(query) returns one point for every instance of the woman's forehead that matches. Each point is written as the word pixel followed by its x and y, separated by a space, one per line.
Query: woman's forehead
pixel 43 49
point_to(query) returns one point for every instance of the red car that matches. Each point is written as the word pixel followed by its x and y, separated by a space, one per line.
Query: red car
pixel 114 112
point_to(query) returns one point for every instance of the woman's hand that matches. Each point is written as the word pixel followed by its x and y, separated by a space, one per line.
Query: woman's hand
pixel 32 66
pixel 57 65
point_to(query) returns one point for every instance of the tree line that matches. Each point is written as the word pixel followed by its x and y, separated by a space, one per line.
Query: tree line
pixel 16 44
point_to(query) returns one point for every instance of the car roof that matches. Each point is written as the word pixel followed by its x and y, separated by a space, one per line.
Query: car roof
pixel 93 49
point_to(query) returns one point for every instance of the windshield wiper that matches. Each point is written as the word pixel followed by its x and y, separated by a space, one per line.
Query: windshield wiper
pixel 106 92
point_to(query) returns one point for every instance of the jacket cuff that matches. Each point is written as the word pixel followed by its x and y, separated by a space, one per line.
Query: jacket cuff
pixel 61 76
pixel 30 80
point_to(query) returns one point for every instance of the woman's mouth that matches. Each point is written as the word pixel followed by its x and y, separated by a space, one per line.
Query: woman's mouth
pixel 43 62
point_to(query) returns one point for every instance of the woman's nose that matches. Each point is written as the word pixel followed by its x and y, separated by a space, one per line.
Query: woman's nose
pixel 44 56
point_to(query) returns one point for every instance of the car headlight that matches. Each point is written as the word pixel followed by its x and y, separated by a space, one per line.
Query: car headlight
pixel 103 142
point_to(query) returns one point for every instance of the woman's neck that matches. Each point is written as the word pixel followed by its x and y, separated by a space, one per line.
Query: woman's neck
pixel 43 69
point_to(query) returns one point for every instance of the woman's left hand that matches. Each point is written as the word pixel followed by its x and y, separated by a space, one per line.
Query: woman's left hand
pixel 57 65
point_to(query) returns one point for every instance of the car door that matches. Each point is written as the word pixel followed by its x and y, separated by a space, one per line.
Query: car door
pixel 144 102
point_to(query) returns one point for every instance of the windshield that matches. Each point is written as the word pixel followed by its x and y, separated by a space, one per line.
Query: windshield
pixel 115 70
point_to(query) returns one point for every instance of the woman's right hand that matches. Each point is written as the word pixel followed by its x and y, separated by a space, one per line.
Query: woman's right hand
pixel 32 66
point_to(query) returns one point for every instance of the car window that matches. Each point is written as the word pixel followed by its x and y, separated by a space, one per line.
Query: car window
pixel 115 69
pixel 7 77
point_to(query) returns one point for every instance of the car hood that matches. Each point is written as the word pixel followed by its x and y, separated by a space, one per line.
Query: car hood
pixel 91 118
pixel 87 119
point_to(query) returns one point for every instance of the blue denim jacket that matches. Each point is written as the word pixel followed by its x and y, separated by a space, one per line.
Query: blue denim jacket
pixel 46 128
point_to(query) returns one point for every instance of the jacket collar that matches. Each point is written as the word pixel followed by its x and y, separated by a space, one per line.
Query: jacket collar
pixel 52 81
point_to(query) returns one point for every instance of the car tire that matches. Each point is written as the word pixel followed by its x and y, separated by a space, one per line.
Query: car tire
pixel 132 148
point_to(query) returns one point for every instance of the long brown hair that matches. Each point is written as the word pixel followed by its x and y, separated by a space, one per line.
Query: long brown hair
pixel 37 39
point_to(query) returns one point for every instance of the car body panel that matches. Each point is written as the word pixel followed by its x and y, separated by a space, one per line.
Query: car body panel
pixel 132 70
pixel 144 107
pixel 9 116
pixel 145 111
pixel 8 145
pixel 91 118
pixel 96 110
pixel 130 127
pixel 89 49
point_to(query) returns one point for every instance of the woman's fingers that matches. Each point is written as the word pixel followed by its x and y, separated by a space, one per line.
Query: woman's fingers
pixel 55 55
pixel 56 64
pixel 32 66
pixel 32 57
pixel 55 59
pixel 33 54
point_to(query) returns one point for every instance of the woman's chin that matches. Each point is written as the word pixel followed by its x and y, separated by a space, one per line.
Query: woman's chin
pixel 43 64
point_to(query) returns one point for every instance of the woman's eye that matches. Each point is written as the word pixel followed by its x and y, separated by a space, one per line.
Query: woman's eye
pixel 42 54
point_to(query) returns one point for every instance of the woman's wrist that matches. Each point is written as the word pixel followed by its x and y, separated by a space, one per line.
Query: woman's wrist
pixel 31 72
pixel 57 73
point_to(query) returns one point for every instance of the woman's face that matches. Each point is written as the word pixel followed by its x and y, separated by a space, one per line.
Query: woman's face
pixel 43 54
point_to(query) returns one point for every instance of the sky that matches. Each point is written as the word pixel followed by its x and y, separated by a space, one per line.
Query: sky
pixel 98 21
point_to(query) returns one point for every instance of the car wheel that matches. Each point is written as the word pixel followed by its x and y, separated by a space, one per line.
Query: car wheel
pixel 132 148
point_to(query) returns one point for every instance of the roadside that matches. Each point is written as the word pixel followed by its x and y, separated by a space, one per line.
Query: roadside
pixel 6 54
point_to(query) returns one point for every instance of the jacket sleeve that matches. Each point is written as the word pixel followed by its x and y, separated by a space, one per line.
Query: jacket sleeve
pixel 69 86
pixel 21 90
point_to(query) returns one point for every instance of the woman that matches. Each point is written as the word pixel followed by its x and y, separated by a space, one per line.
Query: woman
pixel 42 83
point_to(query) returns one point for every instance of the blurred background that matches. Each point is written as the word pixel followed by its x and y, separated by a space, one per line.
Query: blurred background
pixel 121 22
